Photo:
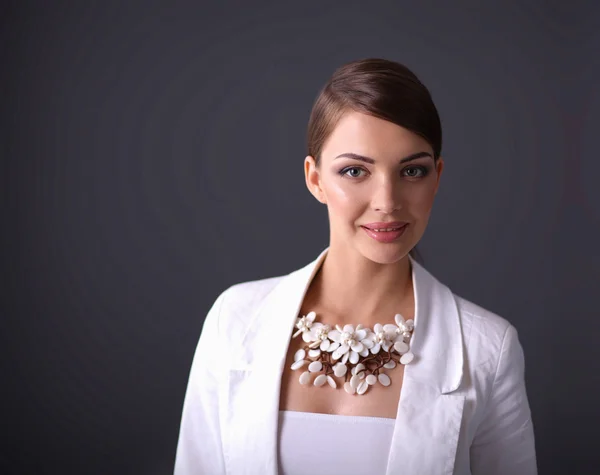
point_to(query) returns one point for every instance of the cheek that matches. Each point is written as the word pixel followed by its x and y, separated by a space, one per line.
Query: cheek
pixel 345 206
pixel 419 200
pixel 343 199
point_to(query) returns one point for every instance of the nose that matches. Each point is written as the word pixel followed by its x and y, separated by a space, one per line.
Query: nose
pixel 386 197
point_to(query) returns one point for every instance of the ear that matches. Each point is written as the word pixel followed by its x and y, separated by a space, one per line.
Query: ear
pixel 439 168
pixel 313 179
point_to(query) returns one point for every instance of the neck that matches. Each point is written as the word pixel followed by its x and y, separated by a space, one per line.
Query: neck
pixel 353 289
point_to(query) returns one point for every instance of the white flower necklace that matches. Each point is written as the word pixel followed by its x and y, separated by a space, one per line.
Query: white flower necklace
pixel 361 347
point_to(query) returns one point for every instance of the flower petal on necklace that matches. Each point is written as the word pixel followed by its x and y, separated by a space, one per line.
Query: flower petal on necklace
pixel 399 319
pixel 333 346
pixel 340 370
pixel 401 347
pixel 344 348
pixel 334 335
pixel 368 342
pixel 325 345
pixel 358 347
pixel 340 352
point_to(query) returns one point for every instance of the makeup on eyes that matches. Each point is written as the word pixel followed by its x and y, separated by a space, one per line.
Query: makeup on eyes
pixel 423 168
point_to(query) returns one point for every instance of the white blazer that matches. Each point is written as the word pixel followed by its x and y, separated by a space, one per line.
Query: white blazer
pixel 463 407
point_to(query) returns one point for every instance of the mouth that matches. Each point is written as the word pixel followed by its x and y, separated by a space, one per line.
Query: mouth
pixel 386 234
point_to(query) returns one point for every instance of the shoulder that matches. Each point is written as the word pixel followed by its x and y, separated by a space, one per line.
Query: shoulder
pixel 486 334
pixel 248 295
pixel 238 303
pixel 473 314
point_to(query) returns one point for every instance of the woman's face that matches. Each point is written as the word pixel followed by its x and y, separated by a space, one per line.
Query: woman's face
pixel 358 193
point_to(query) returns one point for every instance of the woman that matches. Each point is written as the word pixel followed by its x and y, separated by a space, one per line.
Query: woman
pixel 361 361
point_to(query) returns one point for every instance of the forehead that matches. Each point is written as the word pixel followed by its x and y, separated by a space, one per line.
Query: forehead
pixel 362 133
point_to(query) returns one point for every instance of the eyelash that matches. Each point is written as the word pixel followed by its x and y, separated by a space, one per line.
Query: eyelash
pixel 424 171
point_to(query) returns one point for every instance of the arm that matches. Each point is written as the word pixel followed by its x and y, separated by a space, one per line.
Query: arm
pixel 504 441
pixel 199 449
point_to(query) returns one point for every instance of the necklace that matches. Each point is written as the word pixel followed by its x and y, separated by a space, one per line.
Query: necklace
pixel 357 354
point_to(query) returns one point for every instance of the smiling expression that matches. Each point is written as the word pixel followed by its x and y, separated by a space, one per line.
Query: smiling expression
pixel 372 170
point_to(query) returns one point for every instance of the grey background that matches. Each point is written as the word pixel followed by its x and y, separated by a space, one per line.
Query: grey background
pixel 152 156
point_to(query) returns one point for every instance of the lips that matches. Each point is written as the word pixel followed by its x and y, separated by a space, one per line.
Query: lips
pixel 385 236
pixel 385 225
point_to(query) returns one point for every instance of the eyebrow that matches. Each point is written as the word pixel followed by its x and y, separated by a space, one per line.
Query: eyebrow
pixel 362 158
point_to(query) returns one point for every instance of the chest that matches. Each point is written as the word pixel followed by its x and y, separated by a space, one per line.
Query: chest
pixel 377 401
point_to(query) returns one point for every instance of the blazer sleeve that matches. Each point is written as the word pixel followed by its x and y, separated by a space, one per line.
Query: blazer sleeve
pixel 504 441
pixel 199 448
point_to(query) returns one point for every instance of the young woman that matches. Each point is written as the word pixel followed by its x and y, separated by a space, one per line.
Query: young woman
pixel 361 362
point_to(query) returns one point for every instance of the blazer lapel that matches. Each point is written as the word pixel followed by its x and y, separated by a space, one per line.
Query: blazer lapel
pixel 254 387
pixel 428 421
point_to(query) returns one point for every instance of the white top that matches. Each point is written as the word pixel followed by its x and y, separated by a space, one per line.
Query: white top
pixel 319 444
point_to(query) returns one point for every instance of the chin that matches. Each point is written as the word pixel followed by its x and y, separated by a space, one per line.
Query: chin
pixel 384 253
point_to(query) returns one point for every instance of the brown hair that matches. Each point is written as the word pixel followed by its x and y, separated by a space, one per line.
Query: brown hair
pixel 382 88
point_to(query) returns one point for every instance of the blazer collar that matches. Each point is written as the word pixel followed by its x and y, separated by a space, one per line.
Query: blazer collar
pixel 437 339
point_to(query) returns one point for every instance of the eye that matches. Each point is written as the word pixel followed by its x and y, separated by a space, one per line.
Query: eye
pixel 417 171
pixel 413 172
pixel 344 172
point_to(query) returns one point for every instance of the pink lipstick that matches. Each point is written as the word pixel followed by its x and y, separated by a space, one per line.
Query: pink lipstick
pixel 385 232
